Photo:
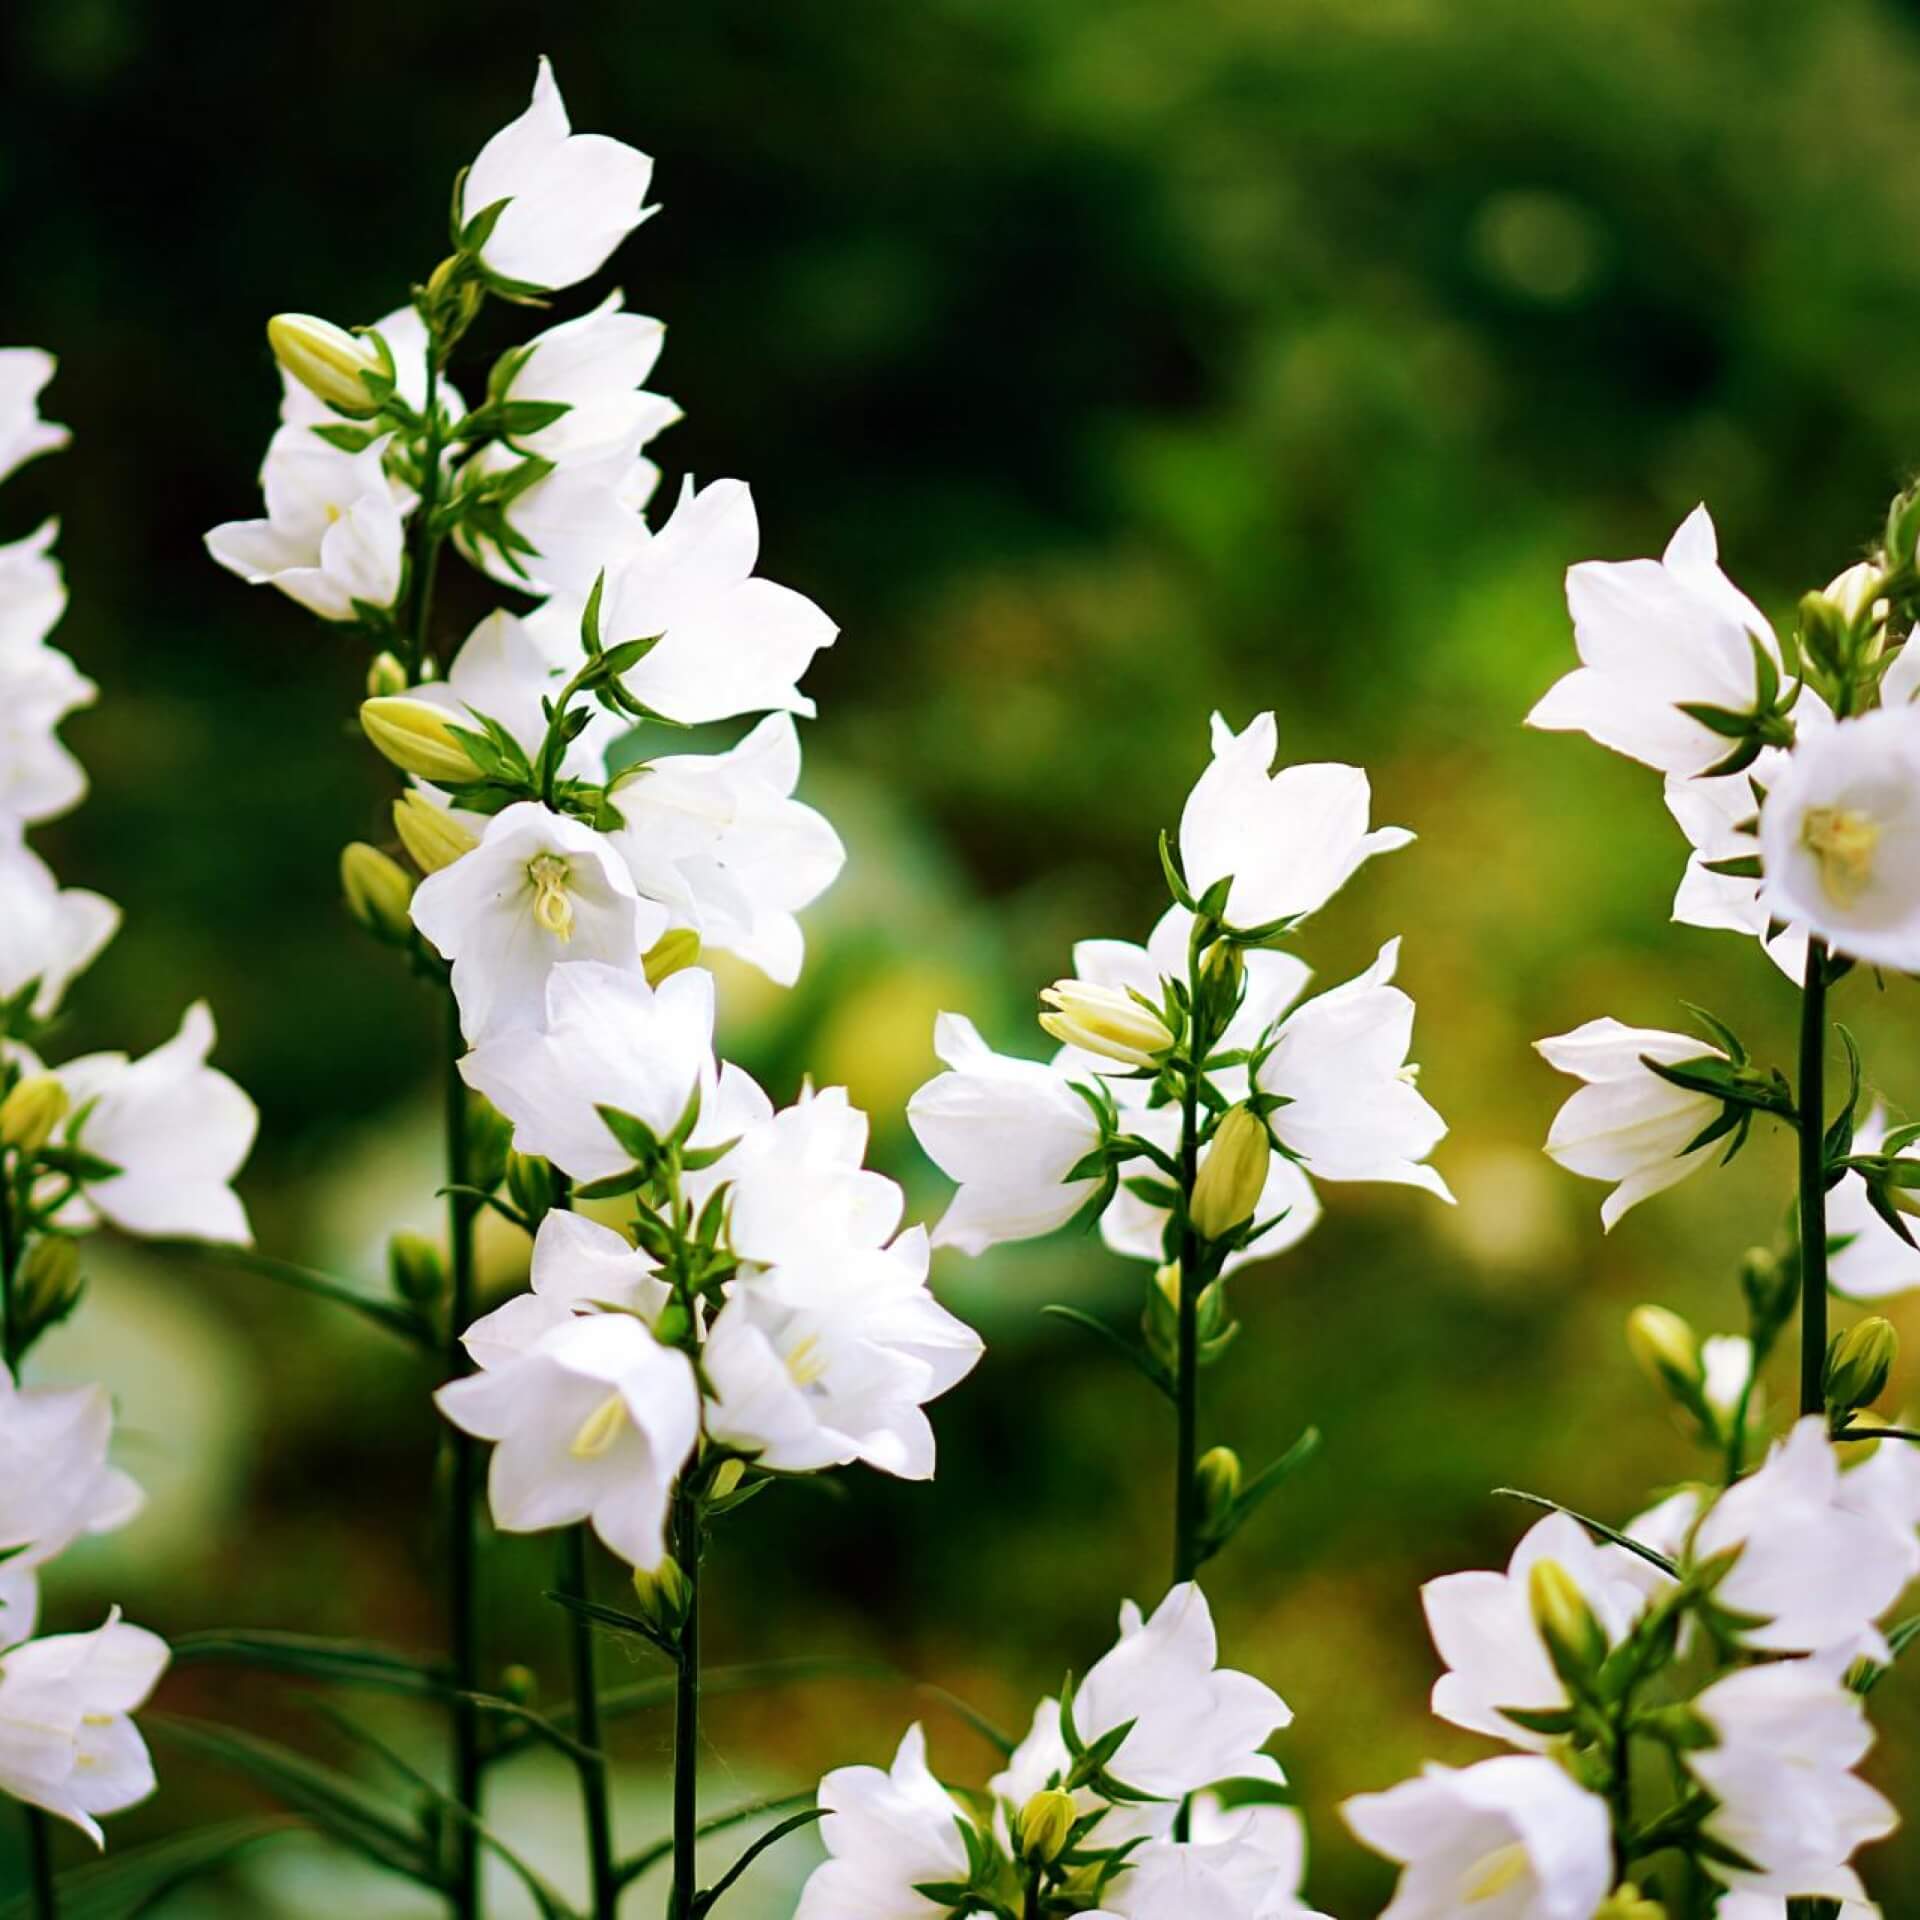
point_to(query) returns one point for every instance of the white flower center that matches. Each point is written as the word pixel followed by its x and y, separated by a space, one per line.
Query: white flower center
pixel 552 904
pixel 805 1362
pixel 1496 1872
pixel 600 1429
pixel 1843 840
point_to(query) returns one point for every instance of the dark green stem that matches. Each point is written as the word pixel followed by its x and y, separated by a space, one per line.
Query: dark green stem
pixel 1186 1489
pixel 46 1896
pixel 1813 1182
pixel 426 539
pixel 687 1546
pixel 464 1493
pixel 603 1875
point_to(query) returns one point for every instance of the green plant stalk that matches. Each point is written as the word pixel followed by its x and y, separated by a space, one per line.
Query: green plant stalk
pixel 686 1709
pixel 426 544
pixel 1813 1182
pixel 602 1872
pixel 1186 1486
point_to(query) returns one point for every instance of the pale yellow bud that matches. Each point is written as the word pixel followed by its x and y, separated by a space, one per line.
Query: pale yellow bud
pixel 29 1114
pixel 385 675
pixel 1574 1637
pixel 1858 1361
pixel 1045 1825
pixel 726 1477
pixel 1665 1346
pixel 665 1594
pixel 329 362
pixel 48 1285
pixel 1233 1176
pixel 1217 1476
pixel 676 949
pixel 416 1269
pixel 1853 593
pixel 1627 1902
pixel 431 835
pixel 378 891
pixel 1106 1021
pixel 417 737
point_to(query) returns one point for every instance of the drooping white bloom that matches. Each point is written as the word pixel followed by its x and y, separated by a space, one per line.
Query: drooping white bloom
pixel 1768 1906
pixel 565 527
pixel 885 1834
pixel 541 888
pixel 720 839
pixel 730 643
pixel 33 596
pixel 1627 1124
pixel 23 434
pixel 1340 1061
pixel 1193 1724
pixel 579 1267
pixel 595 367
pixel 1483 1628
pixel 571 197
pixel 39 685
pixel 1242 1864
pixel 48 933
pixel 592 1421
pixel 1653 635
pixel 502 672
pixel 609 1040
pixel 1812 1573
pixel 1726 1366
pixel 334 532
pixel 1289 840
pixel 1512 1839
pixel 1840 837
pixel 1885 1487
pixel 1009 1132
pixel 1789 1734
pixel 177 1130
pixel 1875 1263
pixel 1712 813
pixel 67 1744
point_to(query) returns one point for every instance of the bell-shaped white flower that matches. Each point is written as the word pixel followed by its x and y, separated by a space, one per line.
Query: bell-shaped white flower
pixel 1353 1109
pixel 563 529
pixel 1655 635
pixel 335 531
pixel 595 367
pixel 885 1833
pixel 175 1130
pixel 1289 840
pixel 1712 813
pixel 1192 1724
pixel 571 198
pixel 48 933
pixel 720 839
pixel 729 642
pixel 541 888
pixel 1240 1864
pixel 593 1421
pixel 611 1040
pixel 1840 837
pixel 1788 1734
pixel 23 434
pixel 39 685
pixel 33 595
pixel 1483 1628
pixel 1772 1906
pixel 1885 1487
pixel 1009 1132
pixel 1812 1573
pixel 578 1267
pixel 1874 1263
pixel 67 1744
pixel 1626 1124
pixel 1515 1838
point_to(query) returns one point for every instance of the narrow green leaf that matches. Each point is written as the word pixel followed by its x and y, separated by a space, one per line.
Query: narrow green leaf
pixel 1129 1350
pixel 389 1315
pixel 710 1899
pixel 124 1884
pixel 1599 1528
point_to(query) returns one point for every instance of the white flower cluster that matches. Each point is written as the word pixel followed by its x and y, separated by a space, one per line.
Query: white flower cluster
pixel 1102 1776
pixel 149 1146
pixel 1790 1571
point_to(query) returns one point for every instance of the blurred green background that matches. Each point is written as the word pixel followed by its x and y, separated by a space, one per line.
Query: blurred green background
pixel 1095 364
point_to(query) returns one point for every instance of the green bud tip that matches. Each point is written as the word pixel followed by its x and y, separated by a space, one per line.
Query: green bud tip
pixel 1666 1347
pixel 431 835
pixel 385 676
pixel 1567 1624
pixel 417 737
pixel 29 1114
pixel 676 950
pixel 1045 1825
pixel 378 891
pixel 329 362
pixel 415 1268
pixel 1233 1176
pixel 1859 1362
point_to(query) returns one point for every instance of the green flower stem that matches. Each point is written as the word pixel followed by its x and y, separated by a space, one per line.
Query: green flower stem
pixel 46 1895
pixel 687 1545
pixel 1813 1182
pixel 603 1875
pixel 463 1494
pixel 426 538
pixel 1186 1486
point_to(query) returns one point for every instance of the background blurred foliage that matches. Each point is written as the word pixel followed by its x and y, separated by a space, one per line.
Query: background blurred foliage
pixel 1095 364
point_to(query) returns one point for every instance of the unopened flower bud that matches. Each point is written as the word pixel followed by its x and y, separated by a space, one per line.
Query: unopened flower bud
pixel 431 835
pixel 29 1114
pixel 1770 1285
pixel 1858 1363
pixel 1217 1478
pixel 331 363
pixel 1573 1636
pixel 415 1268
pixel 489 1143
pixel 1853 594
pixel 48 1285
pixel 519 1684
pixel 530 1184
pixel 1106 1021
pixel 1224 964
pixel 676 949
pixel 418 738
pixel 672 1324
pixel 1627 1902
pixel 1233 1176
pixel 664 1593
pixel 1044 1827
pixel 385 675
pixel 378 891
pixel 726 1477
pixel 1667 1349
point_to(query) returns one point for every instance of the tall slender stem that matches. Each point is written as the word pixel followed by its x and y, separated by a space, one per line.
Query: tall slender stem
pixel 426 540
pixel 46 1896
pixel 603 1878
pixel 1813 1182
pixel 687 1546
pixel 463 1493
pixel 1186 1487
